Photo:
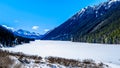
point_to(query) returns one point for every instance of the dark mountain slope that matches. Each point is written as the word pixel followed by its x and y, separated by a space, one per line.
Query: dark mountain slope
pixel 6 36
pixel 86 25
pixel 106 32
pixel 64 31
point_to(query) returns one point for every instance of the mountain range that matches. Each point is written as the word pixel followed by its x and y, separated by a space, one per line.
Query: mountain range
pixel 93 24
pixel 27 34
pixel 10 37
pixel 24 33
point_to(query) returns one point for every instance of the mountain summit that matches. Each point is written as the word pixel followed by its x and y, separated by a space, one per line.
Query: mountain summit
pixel 94 24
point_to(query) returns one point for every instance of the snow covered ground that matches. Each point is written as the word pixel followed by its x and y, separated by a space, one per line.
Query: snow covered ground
pixel 100 52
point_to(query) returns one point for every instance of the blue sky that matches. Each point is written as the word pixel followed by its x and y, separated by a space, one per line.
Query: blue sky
pixel 39 15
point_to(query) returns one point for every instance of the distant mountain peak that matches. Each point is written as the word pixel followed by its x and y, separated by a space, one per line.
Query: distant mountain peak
pixel 28 34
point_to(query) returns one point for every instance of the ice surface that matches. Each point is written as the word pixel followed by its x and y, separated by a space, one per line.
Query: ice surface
pixel 107 53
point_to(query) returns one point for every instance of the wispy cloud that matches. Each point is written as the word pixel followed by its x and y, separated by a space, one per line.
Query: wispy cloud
pixel 35 27
pixel 46 30
pixel 16 21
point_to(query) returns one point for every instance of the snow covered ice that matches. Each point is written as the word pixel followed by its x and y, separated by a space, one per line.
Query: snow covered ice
pixel 108 53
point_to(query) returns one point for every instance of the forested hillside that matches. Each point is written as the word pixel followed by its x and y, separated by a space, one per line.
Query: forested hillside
pixel 108 31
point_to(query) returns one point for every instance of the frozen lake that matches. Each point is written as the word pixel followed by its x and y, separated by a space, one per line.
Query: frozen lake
pixel 66 49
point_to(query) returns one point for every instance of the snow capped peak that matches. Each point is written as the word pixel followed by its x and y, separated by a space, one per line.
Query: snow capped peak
pixel 97 9
pixel 81 12
pixel 87 9
pixel 9 28
pixel 27 34
pixel 20 31
pixel 114 0
pixel 111 1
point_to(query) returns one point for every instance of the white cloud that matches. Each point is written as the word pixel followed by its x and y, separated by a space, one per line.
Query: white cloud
pixel 46 30
pixel 16 21
pixel 35 27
